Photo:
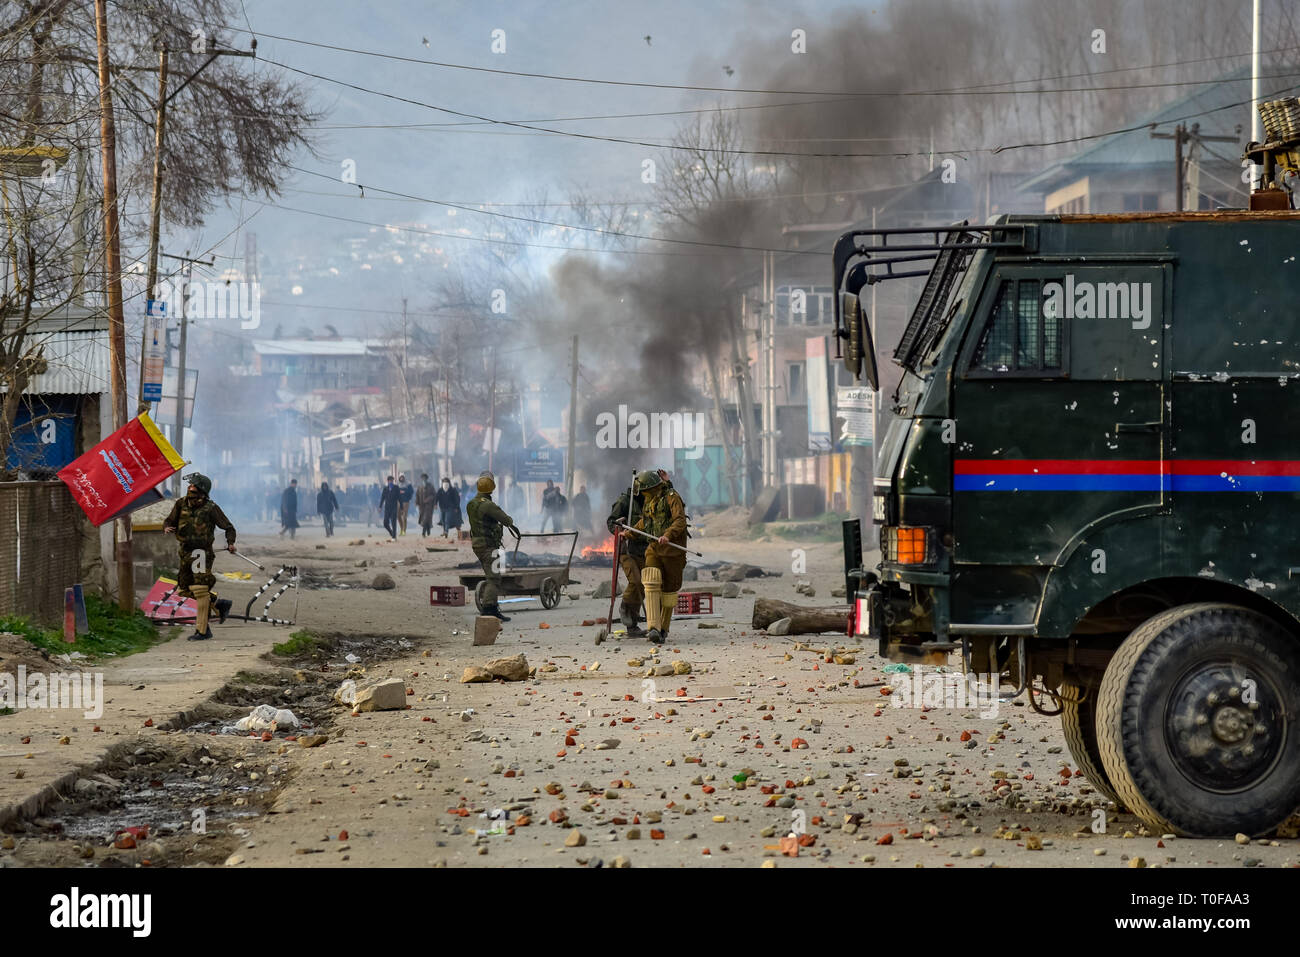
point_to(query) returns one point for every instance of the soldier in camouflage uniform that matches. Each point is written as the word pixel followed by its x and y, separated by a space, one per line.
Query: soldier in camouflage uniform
pixel 195 519
pixel 663 516
pixel 486 521
pixel 631 558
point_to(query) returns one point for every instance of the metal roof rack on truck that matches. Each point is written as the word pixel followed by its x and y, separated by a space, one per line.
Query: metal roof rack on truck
pixel 949 249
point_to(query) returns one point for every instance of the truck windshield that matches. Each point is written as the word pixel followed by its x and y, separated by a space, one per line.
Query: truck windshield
pixel 935 307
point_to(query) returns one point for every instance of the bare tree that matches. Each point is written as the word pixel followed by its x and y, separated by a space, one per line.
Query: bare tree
pixel 230 129
pixel 703 170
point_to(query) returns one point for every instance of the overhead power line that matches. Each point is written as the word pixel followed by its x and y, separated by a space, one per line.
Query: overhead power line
pixel 974 89
pixel 792 153
pixel 548 222
pixel 515 242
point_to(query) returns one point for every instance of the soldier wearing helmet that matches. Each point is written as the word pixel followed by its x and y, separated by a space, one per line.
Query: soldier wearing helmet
pixel 663 515
pixel 194 519
pixel 486 521
pixel 631 557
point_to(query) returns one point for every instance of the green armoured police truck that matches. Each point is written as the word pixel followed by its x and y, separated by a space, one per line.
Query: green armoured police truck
pixel 1090 486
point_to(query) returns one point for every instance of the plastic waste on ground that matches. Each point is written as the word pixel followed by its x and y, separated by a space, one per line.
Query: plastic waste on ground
pixel 347 693
pixel 897 668
pixel 266 717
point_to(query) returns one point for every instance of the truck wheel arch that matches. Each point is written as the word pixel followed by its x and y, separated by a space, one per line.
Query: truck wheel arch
pixel 1148 597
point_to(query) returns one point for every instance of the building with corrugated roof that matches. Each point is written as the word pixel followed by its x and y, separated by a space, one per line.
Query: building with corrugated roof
pixel 65 408
pixel 64 411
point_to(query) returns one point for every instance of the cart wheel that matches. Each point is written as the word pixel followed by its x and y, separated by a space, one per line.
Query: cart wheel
pixel 478 595
pixel 550 593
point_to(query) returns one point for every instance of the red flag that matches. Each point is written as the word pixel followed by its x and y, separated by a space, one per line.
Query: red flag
pixel 121 469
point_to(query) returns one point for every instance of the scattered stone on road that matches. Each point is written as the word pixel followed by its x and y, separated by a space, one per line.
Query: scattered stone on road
pixel 514 668
pixel 387 695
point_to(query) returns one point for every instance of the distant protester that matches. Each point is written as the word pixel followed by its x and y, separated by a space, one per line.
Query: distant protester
pixel 448 499
pixel 289 510
pixel 425 497
pixel 326 505
pixel 388 506
pixel 405 492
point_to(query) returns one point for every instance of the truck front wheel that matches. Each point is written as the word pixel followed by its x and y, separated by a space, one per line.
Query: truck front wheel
pixel 1197 722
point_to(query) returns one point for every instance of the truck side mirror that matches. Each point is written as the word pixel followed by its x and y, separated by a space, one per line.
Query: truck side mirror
pixel 860 351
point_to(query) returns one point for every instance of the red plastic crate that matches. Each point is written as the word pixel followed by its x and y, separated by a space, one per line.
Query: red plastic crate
pixel 446 594
pixel 694 603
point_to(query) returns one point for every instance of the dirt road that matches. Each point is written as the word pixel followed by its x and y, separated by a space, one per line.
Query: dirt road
pixel 592 761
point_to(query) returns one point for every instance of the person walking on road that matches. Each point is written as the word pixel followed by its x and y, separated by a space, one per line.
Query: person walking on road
pixel 424 502
pixel 582 510
pixel 388 506
pixel 448 499
pixel 194 520
pixel 405 492
pixel 289 510
pixel 326 505
pixel 553 503
pixel 487 520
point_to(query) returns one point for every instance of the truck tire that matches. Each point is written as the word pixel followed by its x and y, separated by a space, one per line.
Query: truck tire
pixel 1197 721
pixel 1079 722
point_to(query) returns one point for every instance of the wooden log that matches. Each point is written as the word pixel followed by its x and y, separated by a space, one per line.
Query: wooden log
pixel 804 620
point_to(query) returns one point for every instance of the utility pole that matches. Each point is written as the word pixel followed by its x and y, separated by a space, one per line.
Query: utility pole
pixel 1179 136
pixel 767 326
pixel 573 423
pixel 406 392
pixel 875 396
pixel 1256 121
pixel 492 418
pixel 446 428
pixel 155 209
pixel 113 280
pixel 437 424
pixel 79 234
pixel 761 340
pixel 744 404
pixel 1182 135
pixel 181 390
pixel 180 377
pixel 728 456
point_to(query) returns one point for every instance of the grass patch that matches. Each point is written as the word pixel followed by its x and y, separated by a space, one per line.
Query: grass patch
pixel 300 644
pixel 823 528
pixel 249 678
pixel 113 633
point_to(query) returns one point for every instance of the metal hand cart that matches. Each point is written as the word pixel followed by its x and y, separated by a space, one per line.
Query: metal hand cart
pixel 545 581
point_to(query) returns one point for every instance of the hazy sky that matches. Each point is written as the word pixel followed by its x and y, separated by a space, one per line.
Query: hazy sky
pixel 690 43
